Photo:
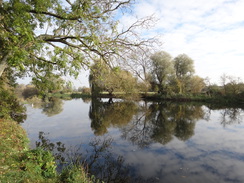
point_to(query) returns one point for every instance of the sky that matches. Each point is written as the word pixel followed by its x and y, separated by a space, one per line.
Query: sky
pixel 211 32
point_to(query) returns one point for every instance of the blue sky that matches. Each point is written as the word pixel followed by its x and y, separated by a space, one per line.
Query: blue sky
pixel 210 32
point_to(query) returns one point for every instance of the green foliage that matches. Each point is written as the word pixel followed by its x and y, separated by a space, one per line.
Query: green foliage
pixel 231 91
pixel 184 69
pixel 49 83
pixel 29 91
pixel 196 84
pixel 183 65
pixel 10 107
pixel 162 70
pixel 40 162
pixel 104 78
pixel 106 114
pixel 52 38
pixel 84 90
pixel 18 164
pixel 76 174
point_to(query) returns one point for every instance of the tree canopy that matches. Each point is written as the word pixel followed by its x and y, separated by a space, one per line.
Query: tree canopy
pixel 52 38
pixel 104 78
pixel 162 69
pixel 184 66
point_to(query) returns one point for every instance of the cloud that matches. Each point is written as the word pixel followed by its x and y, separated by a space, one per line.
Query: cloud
pixel 210 32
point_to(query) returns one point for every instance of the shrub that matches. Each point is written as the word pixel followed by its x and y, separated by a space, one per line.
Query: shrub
pixel 29 91
pixel 76 174
pixel 86 90
pixel 40 162
pixel 10 107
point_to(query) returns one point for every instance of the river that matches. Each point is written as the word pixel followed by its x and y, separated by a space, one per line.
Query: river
pixel 126 141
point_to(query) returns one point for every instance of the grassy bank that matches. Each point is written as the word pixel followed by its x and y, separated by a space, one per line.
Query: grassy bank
pixel 20 164
pixel 216 99
pixel 70 95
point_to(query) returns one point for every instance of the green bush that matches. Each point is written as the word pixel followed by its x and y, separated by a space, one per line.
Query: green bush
pixel 10 107
pixel 40 162
pixel 76 174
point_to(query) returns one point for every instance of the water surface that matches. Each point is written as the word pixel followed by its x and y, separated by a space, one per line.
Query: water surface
pixel 146 141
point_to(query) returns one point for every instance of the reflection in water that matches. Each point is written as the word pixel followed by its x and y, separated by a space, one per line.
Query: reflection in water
pixel 57 148
pixel 231 116
pixel 146 123
pixel 53 107
pixel 152 142
pixel 98 159
pixel 50 107
pixel 110 114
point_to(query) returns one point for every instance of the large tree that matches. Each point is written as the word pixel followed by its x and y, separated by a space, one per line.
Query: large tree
pixel 53 37
pixel 184 66
pixel 104 78
pixel 184 70
pixel 162 69
pixel 139 63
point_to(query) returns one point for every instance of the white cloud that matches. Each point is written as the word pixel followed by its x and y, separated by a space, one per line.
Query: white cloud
pixel 210 32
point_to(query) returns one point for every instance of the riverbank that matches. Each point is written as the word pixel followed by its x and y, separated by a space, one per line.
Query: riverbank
pixel 18 163
pixel 152 96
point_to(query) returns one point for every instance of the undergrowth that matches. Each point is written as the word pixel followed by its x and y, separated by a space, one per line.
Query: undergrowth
pixel 19 164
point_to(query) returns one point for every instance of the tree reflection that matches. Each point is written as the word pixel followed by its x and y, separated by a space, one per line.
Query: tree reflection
pixel 97 157
pixel 53 106
pixel 231 116
pixel 57 148
pixel 146 123
pixel 160 122
pixel 110 114
pixel 50 106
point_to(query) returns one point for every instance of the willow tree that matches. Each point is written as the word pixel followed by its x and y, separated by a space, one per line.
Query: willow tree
pixel 184 70
pixel 162 70
pixel 104 78
pixel 54 37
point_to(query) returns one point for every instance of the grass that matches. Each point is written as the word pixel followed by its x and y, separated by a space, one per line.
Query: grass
pixel 16 160
pixel 234 100
pixel 21 165
pixel 68 96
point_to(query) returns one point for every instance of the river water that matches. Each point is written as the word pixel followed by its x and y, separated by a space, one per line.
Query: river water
pixel 125 141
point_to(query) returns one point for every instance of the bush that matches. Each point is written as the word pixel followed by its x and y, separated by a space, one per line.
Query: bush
pixel 86 90
pixel 29 91
pixel 10 107
pixel 39 162
pixel 76 174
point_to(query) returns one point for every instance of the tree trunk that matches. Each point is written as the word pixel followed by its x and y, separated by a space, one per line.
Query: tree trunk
pixel 3 66
pixel 3 63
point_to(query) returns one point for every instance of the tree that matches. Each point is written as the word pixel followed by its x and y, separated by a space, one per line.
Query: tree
pixel 162 69
pixel 104 78
pixel 68 87
pixel 49 84
pixel 60 37
pixel 224 79
pixel 184 69
pixel 184 66
pixel 231 85
pixel 100 78
pixel 196 84
pixel 10 107
pixel 138 62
